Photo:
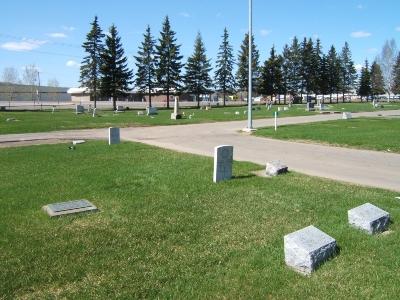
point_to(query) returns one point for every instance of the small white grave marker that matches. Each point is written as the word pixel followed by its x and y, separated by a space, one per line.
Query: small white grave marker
pixel 369 218
pixel 68 208
pixel 223 160
pixel 113 136
pixel 307 249
pixel 78 142
pixel 347 116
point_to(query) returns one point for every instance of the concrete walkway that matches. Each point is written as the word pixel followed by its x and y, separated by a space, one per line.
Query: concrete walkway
pixel 370 168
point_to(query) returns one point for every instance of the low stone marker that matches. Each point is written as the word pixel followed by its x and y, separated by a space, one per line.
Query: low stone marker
pixel 275 168
pixel 140 113
pixel 151 111
pixel 78 142
pixel 223 160
pixel 369 218
pixel 286 108
pixel 79 109
pixel 347 116
pixel 68 208
pixel 113 136
pixel 307 249
pixel 120 109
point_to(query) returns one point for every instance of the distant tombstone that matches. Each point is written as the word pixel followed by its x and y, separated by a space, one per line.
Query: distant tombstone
pixel 113 136
pixel 237 113
pixel 369 218
pixel 275 168
pixel 78 142
pixel 53 109
pixel 223 160
pixel 151 111
pixel 347 116
pixel 79 109
pixel 68 208
pixel 176 115
pixel 2 108
pixel 279 109
pixel 120 109
pixel 140 113
pixel 208 107
pixel 310 106
pixel 307 249
pixel 94 112
pixel 286 108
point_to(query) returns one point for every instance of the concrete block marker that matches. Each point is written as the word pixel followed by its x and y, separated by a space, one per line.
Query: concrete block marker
pixel 114 136
pixel 275 168
pixel 347 116
pixel 78 142
pixel 223 160
pixel 68 208
pixel 151 111
pixel 79 109
pixel 369 218
pixel 307 249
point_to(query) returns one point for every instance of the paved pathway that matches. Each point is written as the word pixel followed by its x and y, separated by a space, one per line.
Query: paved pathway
pixel 362 167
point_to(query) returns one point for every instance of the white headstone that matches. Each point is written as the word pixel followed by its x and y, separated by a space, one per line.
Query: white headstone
pixel 176 115
pixel 307 249
pixel 369 218
pixel 113 136
pixel 223 160
pixel 78 142
pixel 347 116
pixel 94 112
pixel 275 168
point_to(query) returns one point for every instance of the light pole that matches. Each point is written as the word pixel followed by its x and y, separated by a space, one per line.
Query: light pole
pixel 250 87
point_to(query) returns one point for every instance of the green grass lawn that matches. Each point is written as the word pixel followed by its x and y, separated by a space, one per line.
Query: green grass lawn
pixel 380 134
pixel 166 231
pixel 67 119
pixel 362 107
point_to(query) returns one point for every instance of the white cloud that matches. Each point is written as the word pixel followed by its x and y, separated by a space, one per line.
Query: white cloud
pixel 360 34
pixel 265 32
pixel 69 28
pixel 358 67
pixel 185 14
pixel 58 35
pixel 397 28
pixel 23 45
pixel 72 64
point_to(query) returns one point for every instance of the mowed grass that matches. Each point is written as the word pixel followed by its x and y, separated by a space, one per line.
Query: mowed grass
pixel 380 134
pixel 43 121
pixel 362 107
pixel 164 230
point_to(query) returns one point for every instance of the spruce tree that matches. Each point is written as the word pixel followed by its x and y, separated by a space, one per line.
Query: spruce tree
pixel 242 75
pixel 293 65
pixel 365 89
pixel 396 76
pixel 324 77
pixel 90 66
pixel 271 80
pixel 224 78
pixel 348 70
pixel 334 76
pixel 198 67
pixel 116 76
pixel 316 67
pixel 377 81
pixel 168 61
pixel 285 70
pixel 145 63
pixel 307 68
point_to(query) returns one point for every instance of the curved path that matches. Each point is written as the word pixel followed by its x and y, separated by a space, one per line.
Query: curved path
pixel 370 168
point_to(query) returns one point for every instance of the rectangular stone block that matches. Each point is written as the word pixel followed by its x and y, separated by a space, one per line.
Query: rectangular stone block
pixel 223 160
pixel 79 109
pixel 307 249
pixel 275 168
pixel 369 218
pixel 120 109
pixel 68 208
pixel 113 136
pixel 151 111
pixel 347 116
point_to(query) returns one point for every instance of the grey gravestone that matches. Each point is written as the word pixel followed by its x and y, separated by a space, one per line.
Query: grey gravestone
pixel 347 116
pixel 308 248
pixel 120 109
pixel 67 208
pixel 176 115
pixel 223 160
pixel 151 111
pixel 275 168
pixel 113 136
pixel 310 106
pixel 369 218
pixel 94 112
pixel 79 109
pixel 140 113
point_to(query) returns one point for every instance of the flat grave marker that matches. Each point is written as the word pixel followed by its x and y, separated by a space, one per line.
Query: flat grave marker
pixel 68 208
pixel 369 218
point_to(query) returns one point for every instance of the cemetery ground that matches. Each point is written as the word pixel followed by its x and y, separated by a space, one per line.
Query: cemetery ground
pixel 44 121
pixel 164 230
pixel 362 133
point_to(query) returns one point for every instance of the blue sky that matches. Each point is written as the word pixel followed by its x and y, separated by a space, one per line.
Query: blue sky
pixel 49 33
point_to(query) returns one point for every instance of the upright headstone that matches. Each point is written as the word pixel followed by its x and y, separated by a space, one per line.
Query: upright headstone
pixel 94 112
pixel 120 109
pixel 369 218
pixel 113 136
pixel 223 160
pixel 176 115
pixel 310 106
pixel 151 111
pixel 308 248
pixel 79 109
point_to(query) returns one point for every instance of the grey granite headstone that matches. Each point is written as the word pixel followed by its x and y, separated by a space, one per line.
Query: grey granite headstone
pixel 369 218
pixel 79 109
pixel 307 249
pixel 151 111
pixel 347 116
pixel 113 136
pixel 223 160
pixel 67 208
pixel 310 106
pixel 120 109
pixel 275 168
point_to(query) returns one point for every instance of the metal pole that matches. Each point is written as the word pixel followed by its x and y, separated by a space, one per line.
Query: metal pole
pixel 250 88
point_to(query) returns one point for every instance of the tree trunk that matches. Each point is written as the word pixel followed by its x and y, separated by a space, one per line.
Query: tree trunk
pixel 168 98
pixel 330 98
pixel 224 97
pixel 198 100
pixel 114 102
